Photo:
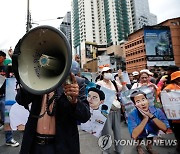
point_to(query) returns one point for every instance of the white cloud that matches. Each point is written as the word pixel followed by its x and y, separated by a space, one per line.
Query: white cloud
pixel 165 9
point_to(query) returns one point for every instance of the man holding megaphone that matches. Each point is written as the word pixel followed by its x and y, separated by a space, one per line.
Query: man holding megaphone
pixel 52 124
pixel 42 64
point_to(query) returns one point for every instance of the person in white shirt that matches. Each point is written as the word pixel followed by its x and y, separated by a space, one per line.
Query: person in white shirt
pixel 112 125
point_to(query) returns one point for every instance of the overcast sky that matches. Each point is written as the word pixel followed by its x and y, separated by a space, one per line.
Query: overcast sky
pixel 13 15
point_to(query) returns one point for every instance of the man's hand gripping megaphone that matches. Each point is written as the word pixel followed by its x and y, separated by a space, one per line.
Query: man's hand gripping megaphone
pixel 71 88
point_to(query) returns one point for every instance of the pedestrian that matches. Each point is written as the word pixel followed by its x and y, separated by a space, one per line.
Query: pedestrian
pixel 7 129
pixel 52 124
pixel 112 125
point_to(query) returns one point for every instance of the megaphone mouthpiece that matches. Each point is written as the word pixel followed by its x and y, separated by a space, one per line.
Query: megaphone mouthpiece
pixel 49 62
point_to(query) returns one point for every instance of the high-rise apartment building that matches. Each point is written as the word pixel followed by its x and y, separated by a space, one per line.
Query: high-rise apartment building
pixel 101 22
pixel 106 22
pixel 139 14
pixel 65 26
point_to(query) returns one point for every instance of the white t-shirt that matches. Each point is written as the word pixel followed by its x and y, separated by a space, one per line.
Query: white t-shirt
pixel 111 86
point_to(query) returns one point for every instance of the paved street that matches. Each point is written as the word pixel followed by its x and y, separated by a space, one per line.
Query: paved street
pixel 89 144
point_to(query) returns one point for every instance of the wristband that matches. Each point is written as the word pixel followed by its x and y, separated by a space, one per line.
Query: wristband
pixel 123 83
pixel 152 117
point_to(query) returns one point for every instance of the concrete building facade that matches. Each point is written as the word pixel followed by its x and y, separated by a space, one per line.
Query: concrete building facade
pixel 65 26
pixel 135 46
pixel 174 25
pixel 139 15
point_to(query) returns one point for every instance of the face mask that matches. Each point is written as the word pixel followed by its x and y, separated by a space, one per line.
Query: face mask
pixel 108 76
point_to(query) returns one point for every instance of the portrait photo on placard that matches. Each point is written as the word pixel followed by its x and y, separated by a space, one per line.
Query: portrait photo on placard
pixel 100 102
pixel 139 108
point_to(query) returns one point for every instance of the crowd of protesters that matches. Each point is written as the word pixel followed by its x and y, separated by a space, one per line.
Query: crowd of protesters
pixel 168 80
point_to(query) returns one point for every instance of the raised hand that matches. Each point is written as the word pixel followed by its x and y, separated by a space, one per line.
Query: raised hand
pixel 120 73
pixel 71 90
pixel 10 52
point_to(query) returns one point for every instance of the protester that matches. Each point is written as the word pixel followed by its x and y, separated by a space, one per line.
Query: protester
pixel 145 121
pixel 52 124
pixel 175 85
pixel 170 70
pixel 135 77
pixel 7 129
pixel 143 80
pixel 131 78
pixel 125 86
pixel 112 125
pixel 151 77
pixel 164 80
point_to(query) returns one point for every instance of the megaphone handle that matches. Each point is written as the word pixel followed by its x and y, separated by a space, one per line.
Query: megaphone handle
pixel 68 80
pixel 69 98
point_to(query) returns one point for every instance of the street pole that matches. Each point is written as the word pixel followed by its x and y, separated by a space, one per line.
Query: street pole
pixel 28 24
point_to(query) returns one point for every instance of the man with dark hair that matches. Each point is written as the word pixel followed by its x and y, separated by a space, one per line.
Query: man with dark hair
pixel 2 55
pixel 145 121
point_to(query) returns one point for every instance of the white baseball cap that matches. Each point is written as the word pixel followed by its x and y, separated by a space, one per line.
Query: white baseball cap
pixel 146 71
pixel 135 73
pixel 105 69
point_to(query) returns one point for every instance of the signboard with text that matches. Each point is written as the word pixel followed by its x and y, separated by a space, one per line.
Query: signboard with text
pixel 158 45
pixel 171 104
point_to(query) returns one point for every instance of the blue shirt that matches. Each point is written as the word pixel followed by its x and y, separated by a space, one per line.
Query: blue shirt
pixel 150 129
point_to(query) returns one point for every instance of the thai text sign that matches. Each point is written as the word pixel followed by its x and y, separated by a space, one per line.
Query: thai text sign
pixel 171 104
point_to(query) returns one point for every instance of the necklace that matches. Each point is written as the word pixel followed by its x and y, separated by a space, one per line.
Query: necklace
pixel 49 102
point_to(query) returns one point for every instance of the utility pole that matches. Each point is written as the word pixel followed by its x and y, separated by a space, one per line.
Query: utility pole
pixel 28 24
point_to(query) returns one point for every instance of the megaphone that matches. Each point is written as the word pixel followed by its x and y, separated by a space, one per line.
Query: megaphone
pixel 42 60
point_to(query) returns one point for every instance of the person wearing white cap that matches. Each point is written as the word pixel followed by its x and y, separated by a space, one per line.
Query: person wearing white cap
pixel 144 79
pixel 151 78
pixel 112 125
pixel 135 73
pixel 135 77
